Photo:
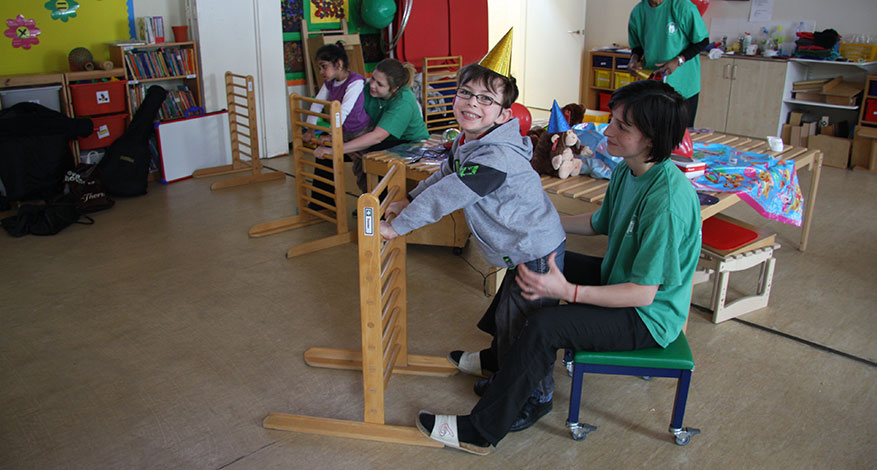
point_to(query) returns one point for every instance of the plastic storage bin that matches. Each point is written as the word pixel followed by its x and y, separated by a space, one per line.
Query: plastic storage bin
pixel 106 130
pixel 604 101
pixel 603 61
pixel 870 110
pixel 601 78
pixel 858 52
pixel 90 99
pixel 622 78
pixel 48 96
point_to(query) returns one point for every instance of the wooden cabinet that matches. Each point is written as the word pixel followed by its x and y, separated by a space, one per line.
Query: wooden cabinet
pixel 868 114
pixel 608 71
pixel 741 96
pixel 174 66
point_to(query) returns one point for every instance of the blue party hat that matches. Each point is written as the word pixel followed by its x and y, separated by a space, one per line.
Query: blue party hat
pixel 558 122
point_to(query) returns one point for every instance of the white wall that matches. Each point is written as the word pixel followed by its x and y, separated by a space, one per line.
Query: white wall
pixel 607 19
pixel 173 11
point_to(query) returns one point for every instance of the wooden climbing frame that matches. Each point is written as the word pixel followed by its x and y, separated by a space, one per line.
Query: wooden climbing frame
pixel 334 212
pixel 383 310
pixel 440 75
pixel 241 100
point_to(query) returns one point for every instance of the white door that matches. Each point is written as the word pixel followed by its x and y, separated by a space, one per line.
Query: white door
pixel 548 47
pixel 553 45
pixel 246 38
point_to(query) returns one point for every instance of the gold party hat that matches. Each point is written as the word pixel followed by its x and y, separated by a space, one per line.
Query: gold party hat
pixel 499 59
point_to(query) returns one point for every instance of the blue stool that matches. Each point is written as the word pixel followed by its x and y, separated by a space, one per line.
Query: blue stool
pixel 674 361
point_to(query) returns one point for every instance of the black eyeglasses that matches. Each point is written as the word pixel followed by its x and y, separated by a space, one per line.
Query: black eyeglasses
pixel 481 99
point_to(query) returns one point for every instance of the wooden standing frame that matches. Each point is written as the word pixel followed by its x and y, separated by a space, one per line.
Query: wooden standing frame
pixel 335 212
pixel 244 137
pixel 440 74
pixel 383 309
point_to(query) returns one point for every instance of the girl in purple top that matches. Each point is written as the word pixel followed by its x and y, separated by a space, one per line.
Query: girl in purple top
pixel 340 84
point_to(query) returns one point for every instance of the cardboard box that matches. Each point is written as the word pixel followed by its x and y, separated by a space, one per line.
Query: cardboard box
pixel 864 153
pixel 795 118
pixel 835 150
pixel 843 93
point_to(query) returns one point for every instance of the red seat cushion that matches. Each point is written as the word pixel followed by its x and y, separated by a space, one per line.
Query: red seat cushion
pixel 723 235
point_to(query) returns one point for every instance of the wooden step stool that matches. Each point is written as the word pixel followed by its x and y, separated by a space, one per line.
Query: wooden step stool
pixel 719 264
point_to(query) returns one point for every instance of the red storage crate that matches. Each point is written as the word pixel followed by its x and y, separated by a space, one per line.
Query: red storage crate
pixel 90 99
pixel 106 130
pixel 604 100
pixel 870 110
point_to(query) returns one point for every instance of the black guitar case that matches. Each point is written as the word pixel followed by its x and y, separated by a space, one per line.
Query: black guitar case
pixel 125 167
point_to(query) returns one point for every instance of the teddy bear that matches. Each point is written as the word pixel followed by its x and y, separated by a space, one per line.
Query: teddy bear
pixel 555 150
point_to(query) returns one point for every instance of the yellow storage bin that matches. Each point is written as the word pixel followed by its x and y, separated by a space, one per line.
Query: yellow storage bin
pixel 623 78
pixel 601 78
pixel 593 115
pixel 859 52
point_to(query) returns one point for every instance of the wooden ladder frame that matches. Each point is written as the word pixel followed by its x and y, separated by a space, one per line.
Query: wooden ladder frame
pixel 334 213
pixel 440 73
pixel 241 99
pixel 384 312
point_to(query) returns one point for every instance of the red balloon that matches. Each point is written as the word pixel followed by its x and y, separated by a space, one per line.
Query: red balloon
pixel 685 148
pixel 701 5
pixel 523 114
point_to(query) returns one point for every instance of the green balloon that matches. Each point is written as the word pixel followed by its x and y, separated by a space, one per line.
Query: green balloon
pixel 378 13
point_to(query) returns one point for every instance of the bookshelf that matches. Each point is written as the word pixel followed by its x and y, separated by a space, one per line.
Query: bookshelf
pixel 172 65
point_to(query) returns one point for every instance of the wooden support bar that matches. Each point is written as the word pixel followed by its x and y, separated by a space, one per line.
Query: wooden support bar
pixel 350 429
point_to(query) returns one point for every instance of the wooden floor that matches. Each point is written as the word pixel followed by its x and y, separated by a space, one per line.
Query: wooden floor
pixel 161 336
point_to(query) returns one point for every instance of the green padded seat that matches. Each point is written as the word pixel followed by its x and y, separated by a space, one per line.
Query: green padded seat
pixel 677 355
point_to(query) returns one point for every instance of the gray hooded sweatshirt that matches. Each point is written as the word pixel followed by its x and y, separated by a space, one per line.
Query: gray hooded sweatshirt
pixel 491 179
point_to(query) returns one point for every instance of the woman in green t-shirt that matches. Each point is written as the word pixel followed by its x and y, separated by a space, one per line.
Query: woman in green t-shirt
pixel 637 296
pixel 395 117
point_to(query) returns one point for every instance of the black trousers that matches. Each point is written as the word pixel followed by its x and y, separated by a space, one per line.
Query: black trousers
pixel 691 104
pixel 532 357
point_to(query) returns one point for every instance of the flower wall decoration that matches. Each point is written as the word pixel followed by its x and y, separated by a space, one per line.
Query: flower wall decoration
pixel 23 32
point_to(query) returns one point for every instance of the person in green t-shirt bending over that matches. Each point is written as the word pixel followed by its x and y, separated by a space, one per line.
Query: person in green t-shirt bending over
pixel 668 35
pixel 637 296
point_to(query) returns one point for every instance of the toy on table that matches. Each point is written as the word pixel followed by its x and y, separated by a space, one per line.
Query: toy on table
pixel 556 150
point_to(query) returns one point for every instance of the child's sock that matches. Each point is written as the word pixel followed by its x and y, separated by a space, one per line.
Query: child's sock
pixel 467 432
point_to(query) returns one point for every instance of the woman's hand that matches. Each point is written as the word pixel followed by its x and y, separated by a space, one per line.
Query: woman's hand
pixel 668 67
pixel 387 231
pixel 551 285
pixel 634 64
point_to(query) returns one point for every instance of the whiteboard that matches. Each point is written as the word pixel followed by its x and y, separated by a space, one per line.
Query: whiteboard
pixel 193 143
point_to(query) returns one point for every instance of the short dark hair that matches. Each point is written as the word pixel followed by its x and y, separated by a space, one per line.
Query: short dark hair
pixel 657 110
pixel 490 79
pixel 333 53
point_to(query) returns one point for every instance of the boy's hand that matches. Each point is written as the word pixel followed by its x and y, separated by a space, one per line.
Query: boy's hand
pixel 395 208
pixel 387 231
pixel 308 137
pixel 551 285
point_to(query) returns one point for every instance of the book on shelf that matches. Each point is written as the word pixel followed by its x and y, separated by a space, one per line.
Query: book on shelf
pixel 165 62
pixel 151 29
pixel 174 106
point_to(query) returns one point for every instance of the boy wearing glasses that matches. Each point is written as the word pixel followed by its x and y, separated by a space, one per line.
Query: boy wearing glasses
pixel 488 175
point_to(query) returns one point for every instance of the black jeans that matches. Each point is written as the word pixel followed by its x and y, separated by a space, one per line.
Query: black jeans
pixel 532 357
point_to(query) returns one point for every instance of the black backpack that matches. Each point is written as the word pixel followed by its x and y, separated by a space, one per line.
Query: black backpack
pixel 34 150
pixel 125 167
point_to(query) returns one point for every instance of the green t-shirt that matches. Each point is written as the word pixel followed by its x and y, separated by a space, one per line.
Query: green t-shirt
pixel 653 224
pixel 398 115
pixel 664 32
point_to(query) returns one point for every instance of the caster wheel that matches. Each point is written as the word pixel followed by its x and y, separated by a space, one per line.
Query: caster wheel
pixel 683 439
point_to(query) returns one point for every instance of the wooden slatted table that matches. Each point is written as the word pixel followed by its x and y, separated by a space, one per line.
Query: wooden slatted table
pixel 581 193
